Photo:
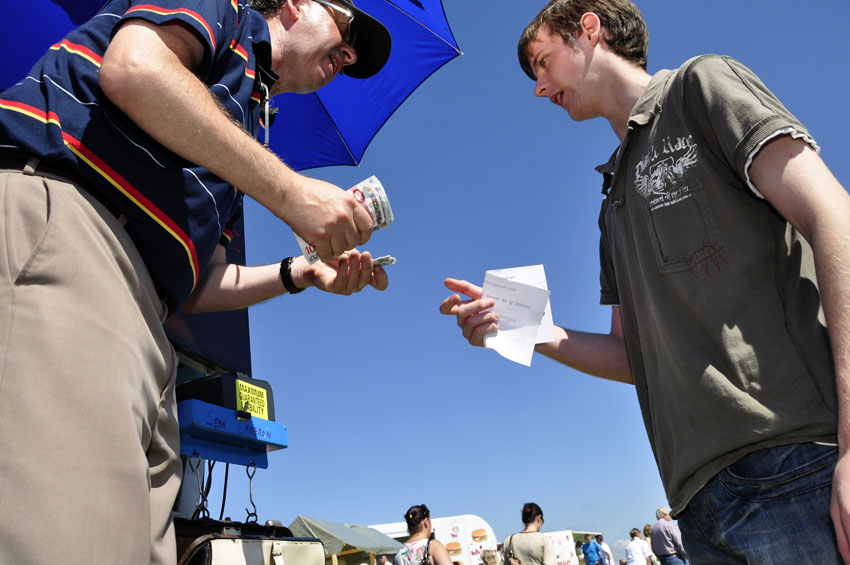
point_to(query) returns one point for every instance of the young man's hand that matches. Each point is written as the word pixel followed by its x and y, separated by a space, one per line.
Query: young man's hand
pixel 471 318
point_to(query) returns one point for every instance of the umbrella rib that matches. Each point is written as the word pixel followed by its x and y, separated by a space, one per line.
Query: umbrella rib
pixel 458 51
pixel 336 129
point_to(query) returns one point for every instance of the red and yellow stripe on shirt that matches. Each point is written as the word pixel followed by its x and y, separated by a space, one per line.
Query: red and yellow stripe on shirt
pixel 80 50
pixel 40 115
pixel 166 12
pixel 115 179
pixel 239 50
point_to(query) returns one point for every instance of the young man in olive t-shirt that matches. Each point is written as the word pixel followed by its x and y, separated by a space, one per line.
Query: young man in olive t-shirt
pixel 725 255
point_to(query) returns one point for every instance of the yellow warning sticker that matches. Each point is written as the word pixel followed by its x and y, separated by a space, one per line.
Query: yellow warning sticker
pixel 251 398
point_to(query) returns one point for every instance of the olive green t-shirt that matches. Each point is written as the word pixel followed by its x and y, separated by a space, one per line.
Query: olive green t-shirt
pixel 724 328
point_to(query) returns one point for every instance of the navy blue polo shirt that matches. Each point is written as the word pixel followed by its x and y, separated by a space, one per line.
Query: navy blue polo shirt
pixel 176 212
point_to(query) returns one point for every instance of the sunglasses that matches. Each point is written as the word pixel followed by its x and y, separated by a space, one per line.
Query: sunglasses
pixel 345 25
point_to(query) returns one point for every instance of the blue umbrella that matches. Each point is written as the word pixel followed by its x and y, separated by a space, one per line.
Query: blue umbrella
pixel 28 29
pixel 330 127
pixel 335 125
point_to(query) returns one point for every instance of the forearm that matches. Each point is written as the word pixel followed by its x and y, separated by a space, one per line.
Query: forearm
pixel 163 97
pixel 230 287
pixel 226 286
pixel 799 185
pixel 830 241
pixel 600 355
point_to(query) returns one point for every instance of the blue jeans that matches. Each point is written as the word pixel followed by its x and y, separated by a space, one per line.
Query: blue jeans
pixel 672 559
pixel 769 508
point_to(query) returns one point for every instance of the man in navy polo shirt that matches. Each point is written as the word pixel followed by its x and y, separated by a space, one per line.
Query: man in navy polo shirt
pixel 124 155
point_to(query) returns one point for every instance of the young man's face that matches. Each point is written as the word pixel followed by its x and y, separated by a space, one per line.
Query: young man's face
pixel 562 72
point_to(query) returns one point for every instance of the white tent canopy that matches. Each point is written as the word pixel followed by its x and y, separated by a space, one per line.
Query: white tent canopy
pixel 339 538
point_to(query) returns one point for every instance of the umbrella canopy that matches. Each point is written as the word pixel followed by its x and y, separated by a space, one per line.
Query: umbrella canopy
pixel 28 29
pixel 330 127
pixel 335 125
pixel 338 537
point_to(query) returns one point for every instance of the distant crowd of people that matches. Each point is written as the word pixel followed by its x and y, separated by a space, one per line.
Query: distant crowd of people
pixel 659 543
pixel 662 544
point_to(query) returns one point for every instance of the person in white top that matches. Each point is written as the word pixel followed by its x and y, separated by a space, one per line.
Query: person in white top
pixel 607 556
pixel 647 537
pixel 637 552
pixel 420 548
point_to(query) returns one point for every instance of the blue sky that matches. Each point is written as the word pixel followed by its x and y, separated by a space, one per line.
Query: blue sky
pixel 385 404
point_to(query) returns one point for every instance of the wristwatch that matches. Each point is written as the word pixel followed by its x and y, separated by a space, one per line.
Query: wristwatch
pixel 286 276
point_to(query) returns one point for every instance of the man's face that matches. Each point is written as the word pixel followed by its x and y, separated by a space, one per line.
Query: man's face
pixel 383 559
pixel 315 51
pixel 562 72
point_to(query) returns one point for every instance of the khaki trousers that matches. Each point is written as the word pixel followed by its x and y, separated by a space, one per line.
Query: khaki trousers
pixel 89 454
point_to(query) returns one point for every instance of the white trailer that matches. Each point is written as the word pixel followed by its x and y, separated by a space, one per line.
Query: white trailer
pixel 465 537
pixel 565 547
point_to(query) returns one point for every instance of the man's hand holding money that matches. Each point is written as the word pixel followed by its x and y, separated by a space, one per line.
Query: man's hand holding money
pixel 349 273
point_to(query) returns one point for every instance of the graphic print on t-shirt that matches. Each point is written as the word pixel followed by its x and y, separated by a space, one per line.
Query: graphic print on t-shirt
pixel 659 174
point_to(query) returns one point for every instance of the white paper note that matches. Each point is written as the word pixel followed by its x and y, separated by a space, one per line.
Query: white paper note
pixel 522 309
pixel 533 275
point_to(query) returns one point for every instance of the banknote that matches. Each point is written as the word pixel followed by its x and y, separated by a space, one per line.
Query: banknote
pixel 371 195
pixel 384 260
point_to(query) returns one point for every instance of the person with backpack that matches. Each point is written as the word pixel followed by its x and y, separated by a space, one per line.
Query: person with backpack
pixel 421 548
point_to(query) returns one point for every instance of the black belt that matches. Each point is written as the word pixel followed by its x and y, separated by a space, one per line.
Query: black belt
pixel 17 161
pixel 28 164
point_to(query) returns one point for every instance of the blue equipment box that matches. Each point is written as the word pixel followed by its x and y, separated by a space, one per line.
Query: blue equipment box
pixel 216 433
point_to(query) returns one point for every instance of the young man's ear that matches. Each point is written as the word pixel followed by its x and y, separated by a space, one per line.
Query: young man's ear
pixel 590 28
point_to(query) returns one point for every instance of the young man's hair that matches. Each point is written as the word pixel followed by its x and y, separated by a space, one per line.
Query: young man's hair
pixel 622 23
pixel 634 532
